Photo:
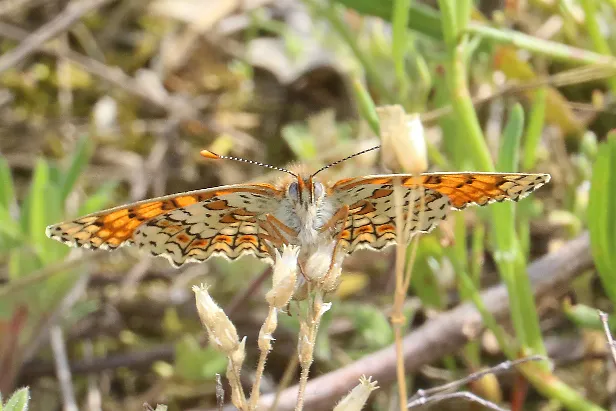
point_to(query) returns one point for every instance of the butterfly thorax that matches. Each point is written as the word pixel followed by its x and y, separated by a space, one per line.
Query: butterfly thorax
pixel 305 209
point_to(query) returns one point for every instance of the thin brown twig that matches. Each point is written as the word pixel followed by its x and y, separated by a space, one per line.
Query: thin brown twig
pixel 71 14
pixel 288 374
pixel 608 334
pixel 63 372
pixel 573 76
pixel 423 395
pixel 397 316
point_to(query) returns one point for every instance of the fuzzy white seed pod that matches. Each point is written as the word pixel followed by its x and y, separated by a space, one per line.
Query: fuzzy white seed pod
pixel 403 143
pixel 356 399
pixel 220 329
pixel 284 277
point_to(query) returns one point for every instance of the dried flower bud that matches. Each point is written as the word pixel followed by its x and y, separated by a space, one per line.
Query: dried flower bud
pixel 403 142
pixel 332 279
pixel 304 350
pixel 319 262
pixel 267 329
pixel 220 329
pixel 284 277
pixel 238 356
pixel 356 399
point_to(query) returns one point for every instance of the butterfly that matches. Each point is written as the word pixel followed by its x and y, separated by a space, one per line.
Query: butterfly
pixel 235 220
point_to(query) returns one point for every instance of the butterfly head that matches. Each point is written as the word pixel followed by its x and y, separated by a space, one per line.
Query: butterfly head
pixel 305 193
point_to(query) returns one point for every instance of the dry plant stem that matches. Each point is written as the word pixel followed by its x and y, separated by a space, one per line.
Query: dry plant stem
pixel 62 369
pixel 424 395
pixel 397 317
pixel 608 334
pixel 220 393
pixel 72 13
pixel 237 391
pixel 469 396
pixel 403 280
pixel 265 347
pixel 306 350
pixel 289 372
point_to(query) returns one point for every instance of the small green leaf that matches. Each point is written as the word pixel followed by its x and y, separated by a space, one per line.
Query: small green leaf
pixel 195 363
pixel 373 326
pixel 18 401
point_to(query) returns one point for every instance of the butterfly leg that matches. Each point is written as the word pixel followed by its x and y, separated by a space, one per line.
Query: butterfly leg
pixel 279 225
pixel 273 227
pixel 273 239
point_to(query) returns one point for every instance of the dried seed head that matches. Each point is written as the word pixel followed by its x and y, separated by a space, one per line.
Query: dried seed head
pixel 403 143
pixel 220 329
pixel 284 277
pixel 356 399
pixel 238 356
pixel 304 350
pixel 267 329
pixel 332 279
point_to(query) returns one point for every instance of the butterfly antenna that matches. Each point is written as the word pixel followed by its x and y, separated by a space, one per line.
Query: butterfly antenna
pixel 346 158
pixel 214 156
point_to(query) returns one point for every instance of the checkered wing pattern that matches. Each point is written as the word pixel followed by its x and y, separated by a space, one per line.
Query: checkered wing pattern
pixel 430 196
pixel 183 227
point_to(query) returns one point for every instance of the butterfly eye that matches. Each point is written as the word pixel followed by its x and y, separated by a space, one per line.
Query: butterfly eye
pixel 318 190
pixel 293 191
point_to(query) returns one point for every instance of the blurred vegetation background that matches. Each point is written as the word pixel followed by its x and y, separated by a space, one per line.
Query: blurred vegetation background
pixel 105 102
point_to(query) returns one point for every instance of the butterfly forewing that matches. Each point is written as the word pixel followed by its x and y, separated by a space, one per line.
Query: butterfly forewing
pixel 181 227
pixel 371 221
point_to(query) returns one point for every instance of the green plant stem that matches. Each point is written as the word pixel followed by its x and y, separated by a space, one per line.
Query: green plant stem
pixel 598 40
pixel 552 387
pixel 557 51
pixel 455 76
pixel 399 43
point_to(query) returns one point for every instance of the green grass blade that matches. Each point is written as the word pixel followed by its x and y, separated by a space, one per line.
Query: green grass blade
pixel 422 18
pixel 79 161
pixel 536 120
pixel 399 42
pixel 510 149
pixel 366 106
pixel 37 220
pixel 7 191
pixel 602 214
